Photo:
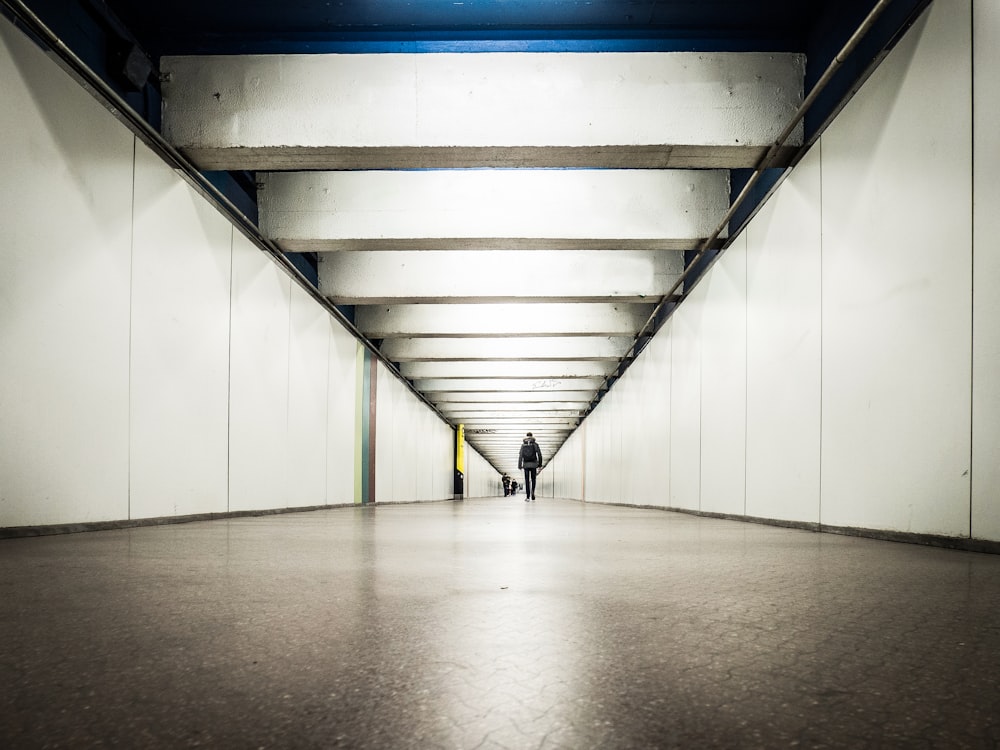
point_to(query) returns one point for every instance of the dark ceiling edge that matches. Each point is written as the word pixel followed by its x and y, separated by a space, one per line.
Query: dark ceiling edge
pixel 541 41
pixel 26 20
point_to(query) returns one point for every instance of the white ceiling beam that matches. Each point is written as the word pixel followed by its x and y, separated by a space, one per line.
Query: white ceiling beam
pixel 542 436
pixel 521 425
pixel 432 386
pixel 469 349
pixel 505 438
pixel 458 417
pixel 492 406
pixel 503 320
pixel 512 209
pixel 559 369
pixel 460 397
pixel 394 277
pixel 373 111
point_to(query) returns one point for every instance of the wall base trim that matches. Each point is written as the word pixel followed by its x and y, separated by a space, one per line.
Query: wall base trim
pixel 20 532
pixel 962 543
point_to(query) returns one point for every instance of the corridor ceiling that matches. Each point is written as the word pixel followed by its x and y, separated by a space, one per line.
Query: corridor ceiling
pixel 505 197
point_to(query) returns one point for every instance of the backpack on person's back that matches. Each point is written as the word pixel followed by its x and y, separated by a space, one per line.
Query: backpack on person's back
pixel 529 455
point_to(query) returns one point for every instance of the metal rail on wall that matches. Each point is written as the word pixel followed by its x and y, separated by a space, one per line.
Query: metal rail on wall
pixel 25 17
pixel 650 327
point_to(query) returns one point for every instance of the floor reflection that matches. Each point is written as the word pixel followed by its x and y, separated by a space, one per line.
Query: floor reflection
pixel 494 623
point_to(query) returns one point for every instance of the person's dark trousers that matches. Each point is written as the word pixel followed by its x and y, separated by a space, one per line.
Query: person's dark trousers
pixel 529 483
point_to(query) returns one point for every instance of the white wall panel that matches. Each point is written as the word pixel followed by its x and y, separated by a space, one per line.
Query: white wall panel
pixel 723 383
pixel 563 476
pixel 628 423
pixel 481 479
pixel 258 431
pixel 986 312
pixel 308 386
pixel 408 425
pixel 442 460
pixel 783 349
pixel 385 444
pixel 597 450
pixel 181 270
pixel 652 448
pixel 65 209
pixel 896 289
pixel 614 470
pixel 415 453
pixel 423 419
pixel 341 405
pixel 685 403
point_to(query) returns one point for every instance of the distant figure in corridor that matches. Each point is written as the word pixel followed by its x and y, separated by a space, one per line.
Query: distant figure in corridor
pixel 506 485
pixel 529 459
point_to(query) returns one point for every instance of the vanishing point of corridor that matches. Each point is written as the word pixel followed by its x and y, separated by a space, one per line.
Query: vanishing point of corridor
pixel 494 624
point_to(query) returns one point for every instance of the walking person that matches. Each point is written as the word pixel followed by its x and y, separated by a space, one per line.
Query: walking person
pixel 529 459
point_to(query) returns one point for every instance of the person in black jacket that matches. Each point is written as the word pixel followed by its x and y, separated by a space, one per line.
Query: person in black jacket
pixel 529 459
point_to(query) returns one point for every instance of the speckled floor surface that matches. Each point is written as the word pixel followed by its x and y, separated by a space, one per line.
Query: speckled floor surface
pixel 494 624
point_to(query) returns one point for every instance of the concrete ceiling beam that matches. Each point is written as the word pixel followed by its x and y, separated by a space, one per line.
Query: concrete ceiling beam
pixel 559 369
pixel 503 320
pixel 492 406
pixel 432 386
pixel 401 277
pixel 460 397
pixel 518 209
pixel 495 349
pixel 520 414
pixel 375 111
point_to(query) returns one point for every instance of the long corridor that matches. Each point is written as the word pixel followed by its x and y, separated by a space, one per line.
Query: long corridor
pixel 494 624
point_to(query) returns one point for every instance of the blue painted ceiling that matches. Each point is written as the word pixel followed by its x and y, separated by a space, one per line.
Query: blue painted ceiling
pixel 232 26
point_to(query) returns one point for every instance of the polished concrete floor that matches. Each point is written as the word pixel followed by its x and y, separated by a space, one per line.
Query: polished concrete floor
pixel 494 624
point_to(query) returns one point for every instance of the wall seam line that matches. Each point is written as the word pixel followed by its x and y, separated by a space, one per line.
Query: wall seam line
pixel 746 358
pixel 972 258
pixel 229 374
pixel 822 329
pixel 326 432
pixel 288 401
pixel 131 297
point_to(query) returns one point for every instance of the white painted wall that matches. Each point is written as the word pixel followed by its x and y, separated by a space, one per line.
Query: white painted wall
pixel 986 301
pixel 651 437
pixel 415 449
pixel 341 405
pixel 155 362
pixel 308 393
pixel 783 349
pixel 564 474
pixel 724 384
pixel 897 289
pixel 685 402
pixel 64 296
pixel 481 479
pixel 258 381
pixel 837 333
pixel 179 413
